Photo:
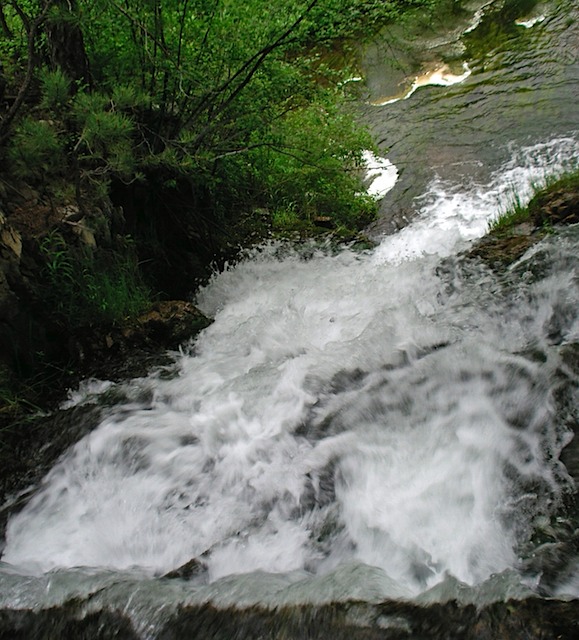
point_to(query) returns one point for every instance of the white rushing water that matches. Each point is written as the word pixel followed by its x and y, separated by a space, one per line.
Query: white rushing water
pixel 351 425
pixel 381 175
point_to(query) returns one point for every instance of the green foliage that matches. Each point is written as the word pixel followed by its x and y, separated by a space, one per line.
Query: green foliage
pixel 105 139
pixel 516 213
pixel 114 289
pixel 107 136
pixel 84 289
pixel 129 97
pixel 313 167
pixel 86 104
pixel 104 130
pixel 59 262
pixel 36 150
pixel 13 48
pixel 55 90
pixel 234 97
pixel 286 220
pixel 344 19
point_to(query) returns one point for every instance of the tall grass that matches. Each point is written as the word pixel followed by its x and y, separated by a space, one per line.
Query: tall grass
pixel 86 289
pixel 516 213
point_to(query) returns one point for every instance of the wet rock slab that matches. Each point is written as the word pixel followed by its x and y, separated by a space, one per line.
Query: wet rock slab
pixel 30 446
pixel 547 210
pixel 131 349
pixel 513 620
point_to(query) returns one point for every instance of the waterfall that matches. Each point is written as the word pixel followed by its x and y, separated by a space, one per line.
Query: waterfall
pixel 355 424
pixel 374 409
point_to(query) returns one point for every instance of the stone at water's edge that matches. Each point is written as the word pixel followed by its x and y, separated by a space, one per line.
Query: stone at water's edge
pixel 557 207
pixel 499 252
pixel 513 620
pixel 129 350
pixel 190 569
pixel 546 209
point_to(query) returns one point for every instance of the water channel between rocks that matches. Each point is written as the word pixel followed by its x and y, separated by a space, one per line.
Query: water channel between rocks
pixel 355 425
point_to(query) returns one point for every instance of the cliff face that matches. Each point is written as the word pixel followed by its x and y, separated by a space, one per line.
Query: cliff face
pixel 49 342
pixel 29 333
pixel 73 298
pixel 15 315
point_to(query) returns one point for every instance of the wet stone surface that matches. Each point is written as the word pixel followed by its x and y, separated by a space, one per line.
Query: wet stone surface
pixel 512 620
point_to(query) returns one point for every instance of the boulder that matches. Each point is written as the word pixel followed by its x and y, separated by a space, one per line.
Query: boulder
pixel 555 207
pixel 129 349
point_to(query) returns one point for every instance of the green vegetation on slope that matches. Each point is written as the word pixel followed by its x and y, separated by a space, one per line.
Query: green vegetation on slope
pixel 229 101
pixel 83 289
pixel 518 213
pixel 184 129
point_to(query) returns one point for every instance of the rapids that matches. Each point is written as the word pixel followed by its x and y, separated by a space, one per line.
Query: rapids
pixel 354 424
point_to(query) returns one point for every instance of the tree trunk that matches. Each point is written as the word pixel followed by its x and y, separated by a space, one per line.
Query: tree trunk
pixel 66 43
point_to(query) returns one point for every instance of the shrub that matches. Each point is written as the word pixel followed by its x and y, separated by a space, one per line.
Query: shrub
pixel 314 167
pixel 105 142
pixel 126 97
pixel 35 151
pixel 55 90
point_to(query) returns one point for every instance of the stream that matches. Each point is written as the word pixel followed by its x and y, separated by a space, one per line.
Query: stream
pixel 355 426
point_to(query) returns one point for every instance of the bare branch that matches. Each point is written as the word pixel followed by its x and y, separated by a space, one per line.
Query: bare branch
pixel 246 73
pixel 5 28
pixel 143 28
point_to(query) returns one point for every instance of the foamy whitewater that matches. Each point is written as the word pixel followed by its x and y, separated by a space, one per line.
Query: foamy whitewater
pixel 351 425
